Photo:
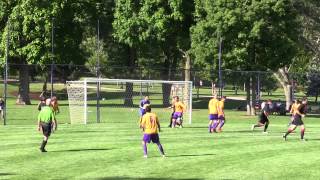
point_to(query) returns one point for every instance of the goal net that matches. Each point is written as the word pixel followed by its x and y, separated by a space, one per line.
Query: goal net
pixel 117 100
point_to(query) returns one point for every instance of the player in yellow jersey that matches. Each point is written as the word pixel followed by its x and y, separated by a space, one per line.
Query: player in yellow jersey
pixel 151 127
pixel 213 113
pixel 179 109
pixel 299 111
pixel 221 115
pixel 293 106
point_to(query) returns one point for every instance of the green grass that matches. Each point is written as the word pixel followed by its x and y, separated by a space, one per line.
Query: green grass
pixel 112 150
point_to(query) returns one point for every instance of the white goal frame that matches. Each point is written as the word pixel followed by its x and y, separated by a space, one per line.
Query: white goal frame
pixel 77 95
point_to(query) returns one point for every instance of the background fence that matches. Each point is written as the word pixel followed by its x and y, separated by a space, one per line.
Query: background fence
pixel 35 80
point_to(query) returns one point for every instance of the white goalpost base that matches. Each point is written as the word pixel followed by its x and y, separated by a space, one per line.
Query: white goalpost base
pixel 119 99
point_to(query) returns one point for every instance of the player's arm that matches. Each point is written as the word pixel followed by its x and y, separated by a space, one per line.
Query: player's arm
pixel 158 123
pixel 54 121
pixel 213 89
pixel 142 123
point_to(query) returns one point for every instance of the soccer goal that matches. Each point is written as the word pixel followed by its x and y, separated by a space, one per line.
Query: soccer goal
pixel 117 100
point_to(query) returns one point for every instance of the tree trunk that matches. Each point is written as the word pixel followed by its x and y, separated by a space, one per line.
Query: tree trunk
pixel 166 88
pixel 187 77
pixel 128 95
pixel 129 86
pixel 284 79
pixel 23 94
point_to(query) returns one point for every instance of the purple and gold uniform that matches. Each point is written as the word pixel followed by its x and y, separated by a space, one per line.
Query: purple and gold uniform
pixel 179 108
pixel 221 110
pixel 150 124
pixel 213 109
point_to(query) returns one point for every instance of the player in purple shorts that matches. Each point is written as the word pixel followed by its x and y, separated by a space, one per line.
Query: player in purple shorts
pixel 213 114
pixel 151 126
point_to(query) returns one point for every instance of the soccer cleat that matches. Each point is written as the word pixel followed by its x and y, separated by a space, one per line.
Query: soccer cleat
pixel 284 137
pixel 42 150
pixel 252 127
pixel 265 132
pixel 303 139
pixel 163 155
pixel 145 156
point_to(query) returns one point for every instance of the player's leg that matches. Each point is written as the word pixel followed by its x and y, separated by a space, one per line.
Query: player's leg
pixel 266 126
pixel 215 122
pixel 221 123
pixel 290 129
pixel 146 139
pixel 46 131
pixel 302 130
pixel 155 139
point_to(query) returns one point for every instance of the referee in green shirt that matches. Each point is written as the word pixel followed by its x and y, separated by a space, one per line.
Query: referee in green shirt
pixel 46 121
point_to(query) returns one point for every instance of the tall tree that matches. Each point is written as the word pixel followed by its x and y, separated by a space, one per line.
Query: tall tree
pixel 257 35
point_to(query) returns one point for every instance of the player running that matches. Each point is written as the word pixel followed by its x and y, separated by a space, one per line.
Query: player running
pixel 213 114
pixel 142 106
pixel 263 117
pixel 294 105
pixel 151 126
pixel 299 111
pixel 179 108
pixel 221 115
pixel 46 121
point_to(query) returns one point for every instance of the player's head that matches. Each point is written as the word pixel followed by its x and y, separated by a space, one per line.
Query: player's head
pixel 298 101
pixel 223 98
pixel 269 101
pixel 304 100
pixel 48 101
pixel 176 98
pixel 148 109
pixel 146 97
pixel 54 98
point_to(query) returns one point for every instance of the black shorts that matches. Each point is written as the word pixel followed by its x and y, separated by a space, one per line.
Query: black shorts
pixel 263 119
pixel 297 120
pixel 46 129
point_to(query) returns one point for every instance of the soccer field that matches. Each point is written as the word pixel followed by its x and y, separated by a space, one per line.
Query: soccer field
pixel 113 151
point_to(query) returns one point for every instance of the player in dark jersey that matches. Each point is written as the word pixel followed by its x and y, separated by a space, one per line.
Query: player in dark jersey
pixel 299 111
pixel 263 117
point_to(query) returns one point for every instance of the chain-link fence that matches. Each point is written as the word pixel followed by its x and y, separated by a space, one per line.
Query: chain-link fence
pixel 26 83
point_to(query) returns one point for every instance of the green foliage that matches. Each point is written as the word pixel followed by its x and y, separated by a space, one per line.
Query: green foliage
pixel 257 35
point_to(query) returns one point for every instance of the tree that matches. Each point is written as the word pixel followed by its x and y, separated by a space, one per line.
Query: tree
pixel 163 25
pixel 313 77
pixel 257 35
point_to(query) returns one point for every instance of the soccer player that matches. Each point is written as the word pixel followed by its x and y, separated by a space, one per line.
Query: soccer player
pixel 173 111
pixel 143 104
pixel 299 111
pixel 293 106
pixel 213 114
pixel 46 121
pixel 263 117
pixel 179 108
pixel 221 115
pixel 151 127
pixel 55 105
pixel 1 108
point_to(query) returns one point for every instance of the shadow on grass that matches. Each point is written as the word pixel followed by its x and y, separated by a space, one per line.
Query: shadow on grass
pixel 146 178
pixel 79 150
pixel 192 155
pixel 6 174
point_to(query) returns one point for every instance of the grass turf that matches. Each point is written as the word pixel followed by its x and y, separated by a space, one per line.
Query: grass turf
pixel 112 150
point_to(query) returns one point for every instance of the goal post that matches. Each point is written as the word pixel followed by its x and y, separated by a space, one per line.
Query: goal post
pixel 120 98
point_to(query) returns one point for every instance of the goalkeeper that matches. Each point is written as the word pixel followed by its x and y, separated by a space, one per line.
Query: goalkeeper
pixel 46 122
